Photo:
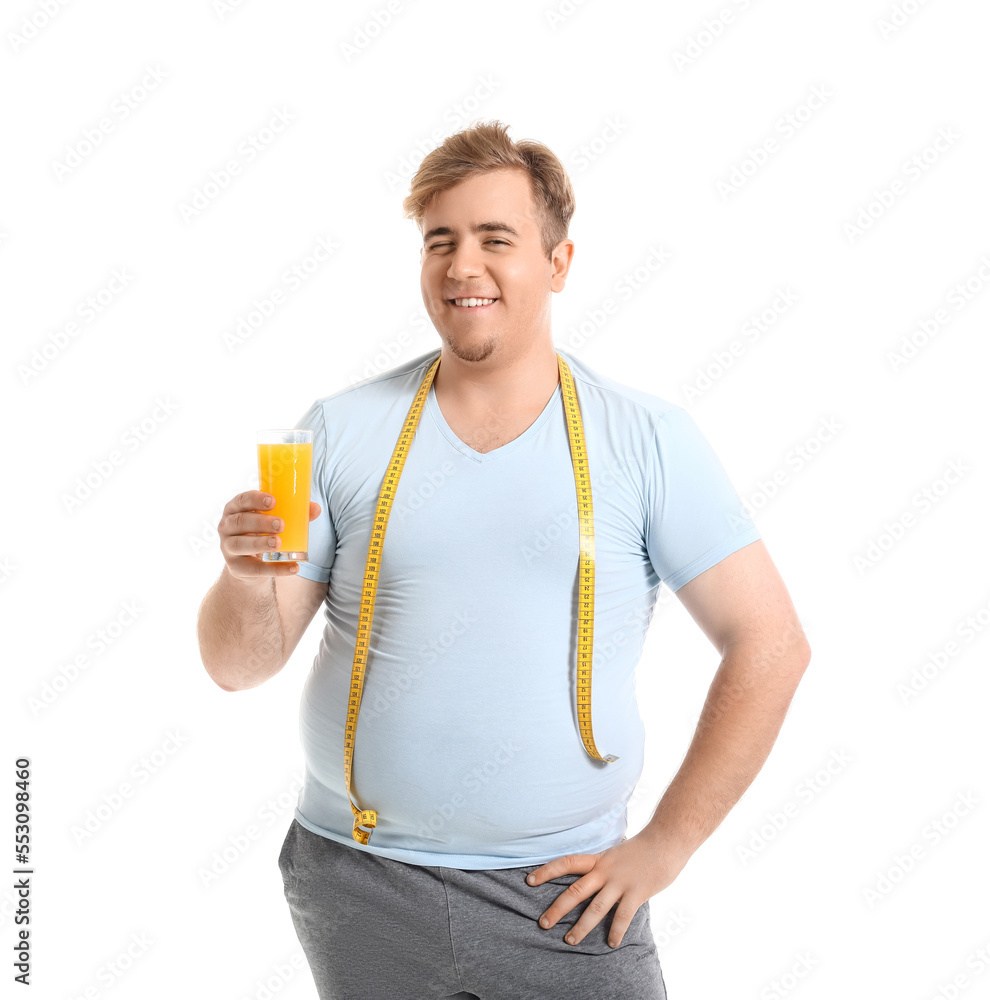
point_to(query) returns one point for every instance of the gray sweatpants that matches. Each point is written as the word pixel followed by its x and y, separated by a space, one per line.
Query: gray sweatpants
pixel 377 929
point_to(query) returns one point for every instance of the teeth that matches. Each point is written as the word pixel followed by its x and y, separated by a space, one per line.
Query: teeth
pixel 473 302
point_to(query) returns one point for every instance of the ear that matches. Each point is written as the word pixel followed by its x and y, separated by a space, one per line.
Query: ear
pixel 563 253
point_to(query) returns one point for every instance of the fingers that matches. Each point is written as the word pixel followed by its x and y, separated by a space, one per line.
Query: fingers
pixel 602 900
pixel 250 500
pixel 251 534
pixel 315 510
pixel 245 533
pixel 251 569
pixel 596 912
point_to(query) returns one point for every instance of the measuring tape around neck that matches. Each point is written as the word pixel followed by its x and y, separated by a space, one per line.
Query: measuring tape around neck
pixel 365 820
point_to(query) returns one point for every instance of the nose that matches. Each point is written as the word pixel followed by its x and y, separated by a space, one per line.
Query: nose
pixel 465 260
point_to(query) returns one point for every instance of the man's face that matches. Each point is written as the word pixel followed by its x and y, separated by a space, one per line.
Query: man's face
pixel 482 241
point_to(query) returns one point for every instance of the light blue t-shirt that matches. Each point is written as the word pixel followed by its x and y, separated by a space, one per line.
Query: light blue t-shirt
pixel 468 743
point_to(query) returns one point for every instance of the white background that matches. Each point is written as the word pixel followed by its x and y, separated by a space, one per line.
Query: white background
pixel 651 140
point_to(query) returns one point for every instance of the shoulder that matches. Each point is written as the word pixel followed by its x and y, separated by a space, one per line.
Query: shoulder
pixel 374 395
pixel 610 396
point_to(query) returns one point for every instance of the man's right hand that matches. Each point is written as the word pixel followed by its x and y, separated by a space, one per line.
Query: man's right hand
pixel 249 527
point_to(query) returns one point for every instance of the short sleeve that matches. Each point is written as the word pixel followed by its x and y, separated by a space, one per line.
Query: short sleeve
pixel 322 537
pixel 695 517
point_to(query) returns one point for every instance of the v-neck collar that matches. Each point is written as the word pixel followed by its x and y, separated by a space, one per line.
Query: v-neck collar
pixel 486 456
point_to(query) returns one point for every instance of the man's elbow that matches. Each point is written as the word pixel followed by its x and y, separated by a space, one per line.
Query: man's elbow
pixel 779 659
pixel 796 656
pixel 790 669
pixel 222 682
pixel 242 681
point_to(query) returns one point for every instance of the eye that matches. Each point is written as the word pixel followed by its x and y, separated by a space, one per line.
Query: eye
pixel 435 246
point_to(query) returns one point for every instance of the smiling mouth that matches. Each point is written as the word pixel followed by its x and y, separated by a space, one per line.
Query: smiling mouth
pixel 472 303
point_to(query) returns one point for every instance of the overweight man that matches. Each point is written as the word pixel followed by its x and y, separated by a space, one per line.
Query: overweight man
pixel 491 523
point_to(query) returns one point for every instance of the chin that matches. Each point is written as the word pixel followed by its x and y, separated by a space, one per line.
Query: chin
pixel 470 351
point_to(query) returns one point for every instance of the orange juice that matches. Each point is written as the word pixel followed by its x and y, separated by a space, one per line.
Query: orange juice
pixel 284 470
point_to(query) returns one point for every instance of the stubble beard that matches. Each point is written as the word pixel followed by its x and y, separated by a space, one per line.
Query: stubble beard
pixel 480 352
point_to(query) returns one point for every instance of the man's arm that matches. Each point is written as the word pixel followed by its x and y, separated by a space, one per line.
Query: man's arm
pixel 248 631
pixel 743 607
pixel 741 604
pixel 254 616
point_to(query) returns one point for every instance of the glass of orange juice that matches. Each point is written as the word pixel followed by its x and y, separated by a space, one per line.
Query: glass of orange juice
pixel 285 465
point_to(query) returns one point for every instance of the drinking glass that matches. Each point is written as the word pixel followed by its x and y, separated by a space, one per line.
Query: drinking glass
pixel 285 464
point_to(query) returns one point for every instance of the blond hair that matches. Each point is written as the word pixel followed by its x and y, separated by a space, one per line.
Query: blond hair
pixel 484 147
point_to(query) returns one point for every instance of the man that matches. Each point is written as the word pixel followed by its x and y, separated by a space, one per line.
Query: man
pixel 480 849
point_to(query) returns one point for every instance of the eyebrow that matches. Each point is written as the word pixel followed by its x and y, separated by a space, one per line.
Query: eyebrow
pixel 482 227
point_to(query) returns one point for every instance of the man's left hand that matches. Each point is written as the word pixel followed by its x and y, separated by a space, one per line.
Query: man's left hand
pixel 627 874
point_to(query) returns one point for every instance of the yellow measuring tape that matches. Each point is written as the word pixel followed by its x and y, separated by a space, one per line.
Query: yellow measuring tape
pixel 365 820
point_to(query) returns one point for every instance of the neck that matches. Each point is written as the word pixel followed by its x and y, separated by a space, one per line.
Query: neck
pixel 522 382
